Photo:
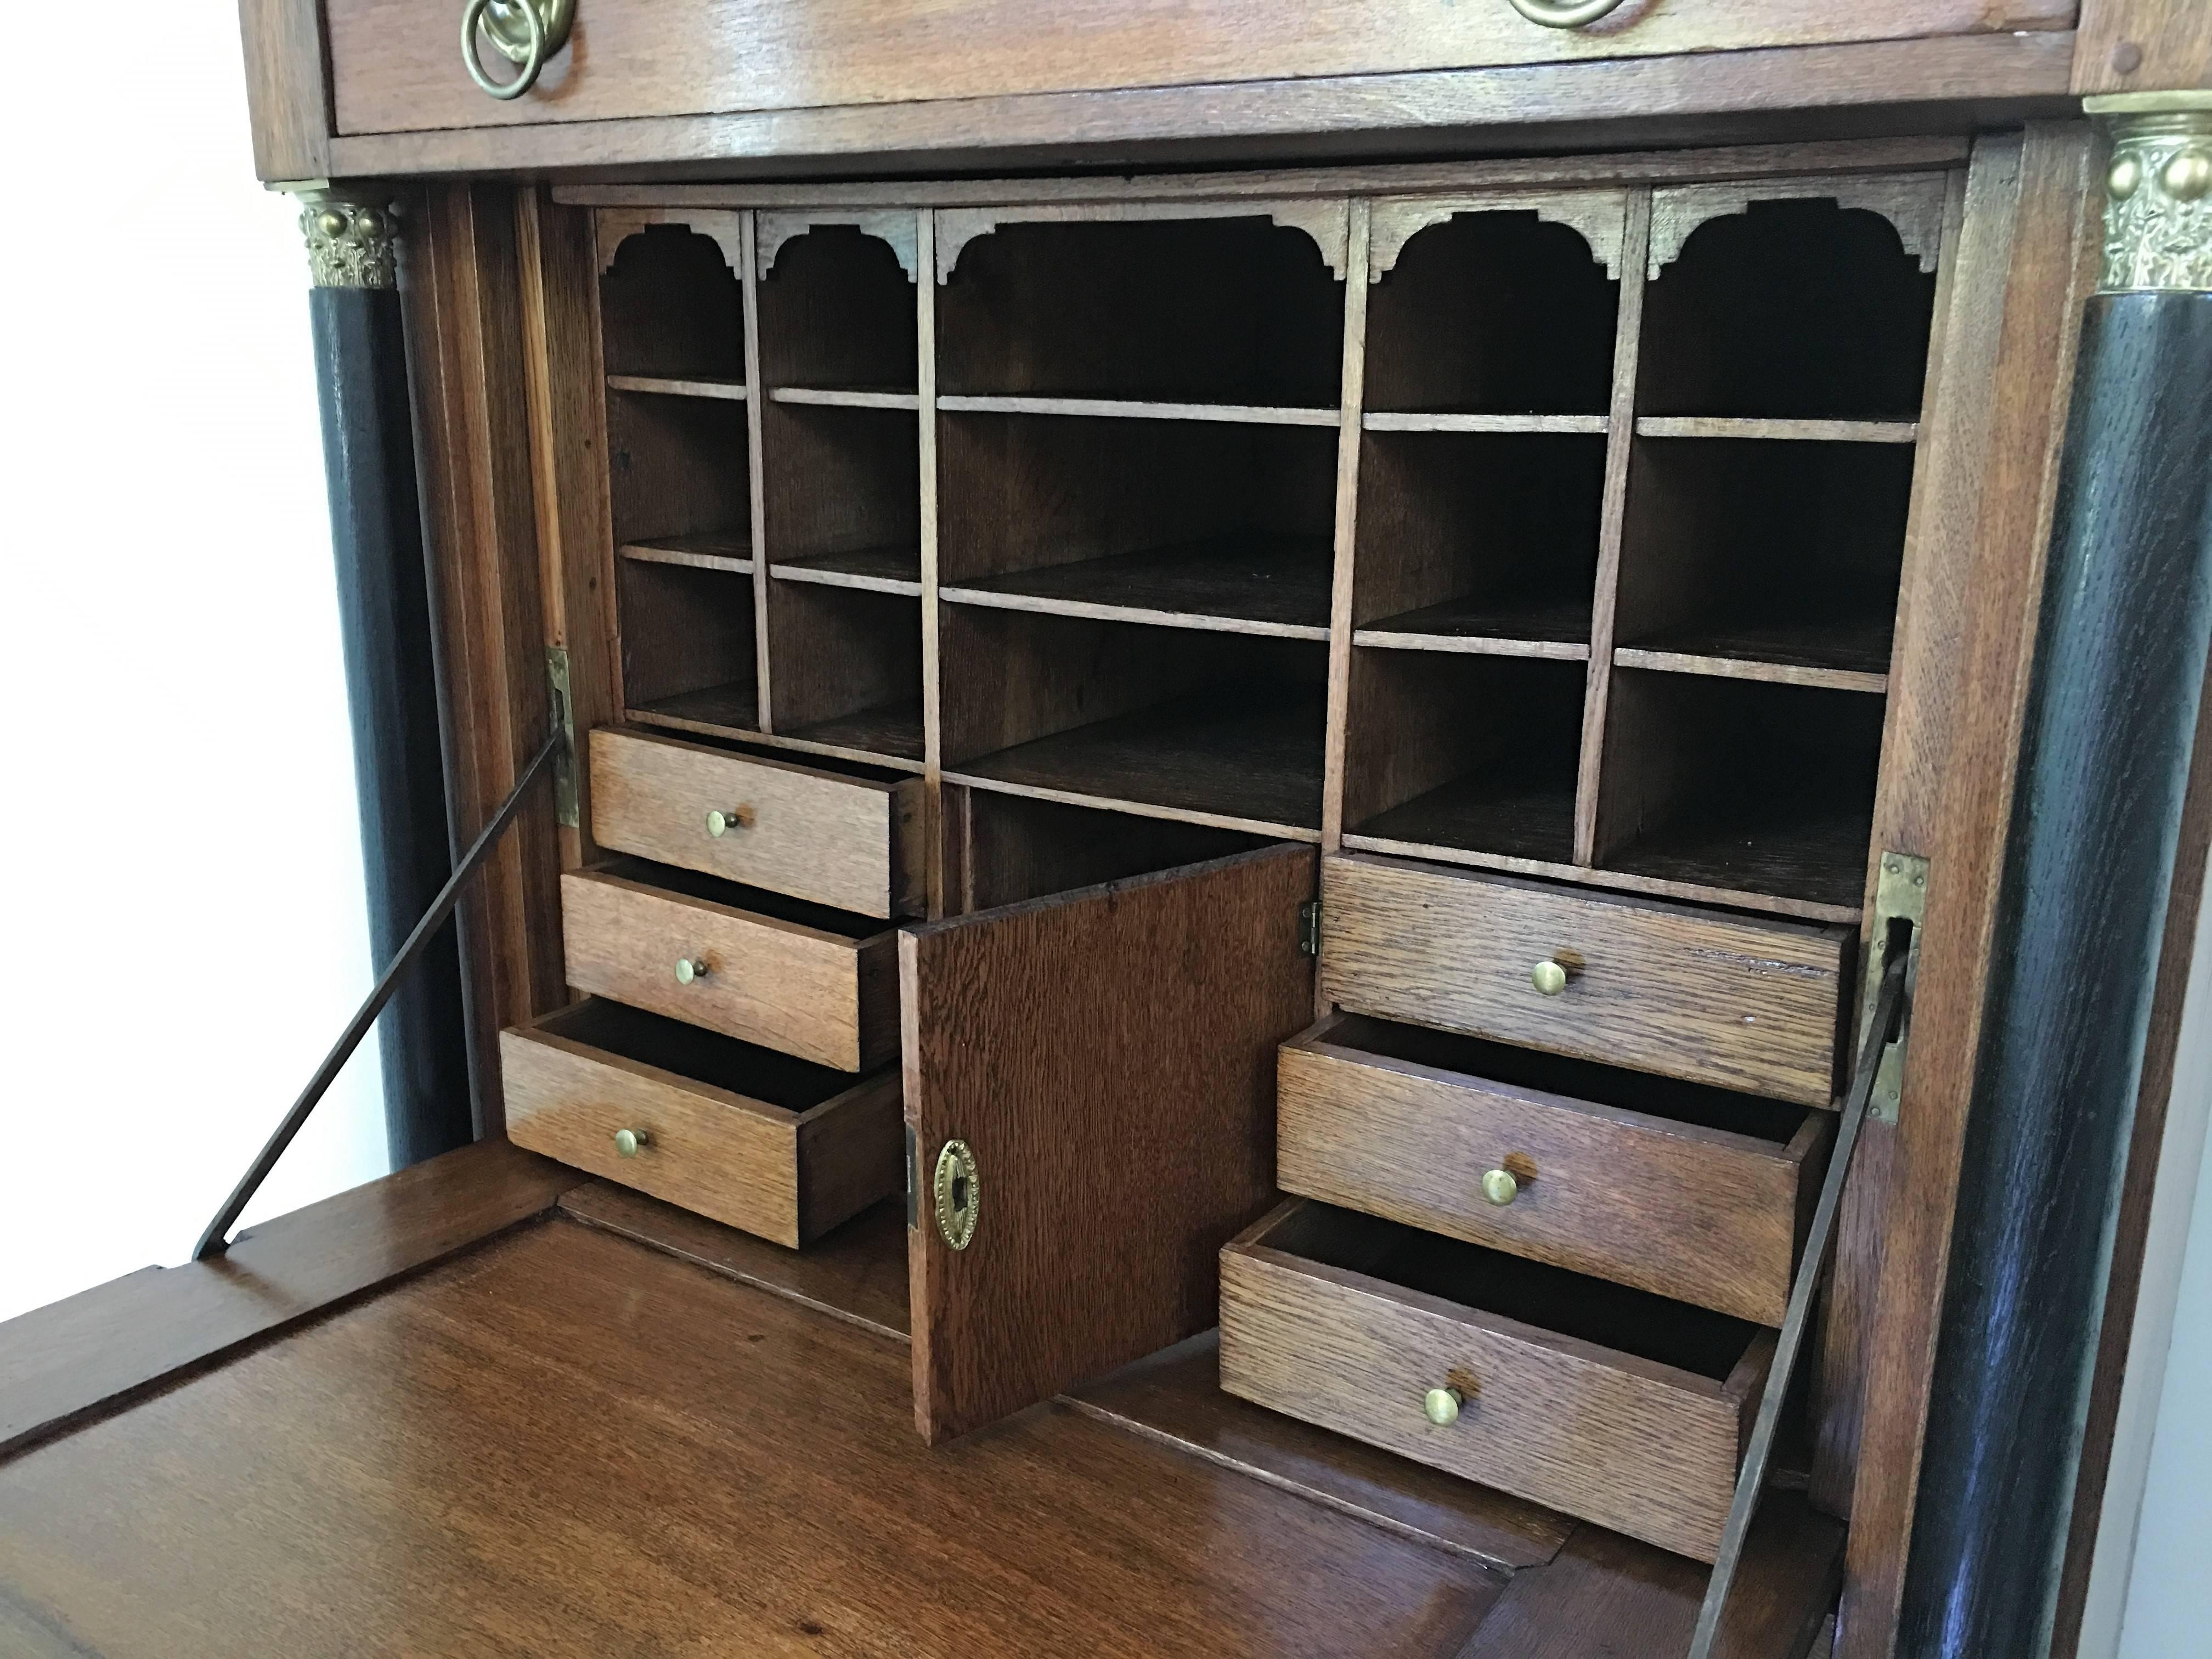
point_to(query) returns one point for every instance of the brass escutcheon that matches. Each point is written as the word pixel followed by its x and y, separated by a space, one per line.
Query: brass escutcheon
pixel 954 1189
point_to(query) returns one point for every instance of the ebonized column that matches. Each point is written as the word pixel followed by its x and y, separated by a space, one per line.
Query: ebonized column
pixel 384 623
pixel 2119 667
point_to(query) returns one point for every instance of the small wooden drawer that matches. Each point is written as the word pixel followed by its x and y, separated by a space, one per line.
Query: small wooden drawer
pixel 819 983
pixel 1749 1003
pixel 741 1134
pixel 1608 1403
pixel 1674 1188
pixel 847 836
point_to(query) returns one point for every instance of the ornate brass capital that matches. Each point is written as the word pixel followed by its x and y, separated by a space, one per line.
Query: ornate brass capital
pixel 2158 191
pixel 353 237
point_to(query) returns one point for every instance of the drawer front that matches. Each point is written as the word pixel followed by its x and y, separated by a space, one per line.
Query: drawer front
pixel 1699 1215
pixel 824 997
pixel 1639 1447
pixel 851 841
pixel 786 1176
pixel 1743 1003
pixel 396 64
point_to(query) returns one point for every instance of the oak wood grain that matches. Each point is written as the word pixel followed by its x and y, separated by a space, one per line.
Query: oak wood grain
pixel 569 1446
pixel 1108 1057
pixel 61 1363
pixel 393 69
pixel 1689 1193
pixel 747 1136
pixel 1637 1444
pixel 795 978
pixel 2142 45
pixel 287 98
pixel 840 838
pixel 1740 1002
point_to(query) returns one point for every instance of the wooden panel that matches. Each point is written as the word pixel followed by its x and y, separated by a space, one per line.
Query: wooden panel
pixel 1643 1447
pixel 394 67
pixel 823 995
pixel 1109 1056
pixel 1602 1584
pixel 1967 635
pixel 1740 1002
pixel 2143 45
pixel 835 838
pixel 1687 1209
pixel 785 1173
pixel 285 93
pixel 61 1362
pixel 569 1446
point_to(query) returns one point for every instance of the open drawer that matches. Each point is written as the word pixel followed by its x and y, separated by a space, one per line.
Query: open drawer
pixel 830 832
pixel 1607 1403
pixel 744 1135
pixel 814 981
pixel 1682 1189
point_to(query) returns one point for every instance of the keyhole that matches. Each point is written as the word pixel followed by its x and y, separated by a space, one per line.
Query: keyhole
pixel 960 1192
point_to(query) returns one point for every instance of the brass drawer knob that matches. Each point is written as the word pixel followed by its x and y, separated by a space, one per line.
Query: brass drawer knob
pixel 627 1141
pixel 1500 1186
pixel 1549 977
pixel 720 824
pixel 689 968
pixel 1565 13
pixel 1442 1406
pixel 524 32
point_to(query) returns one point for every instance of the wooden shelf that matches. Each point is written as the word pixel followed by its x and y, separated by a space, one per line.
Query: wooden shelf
pixel 1797 847
pixel 890 733
pixel 1847 654
pixel 669 386
pixel 1456 421
pixel 1730 426
pixel 1515 812
pixel 876 570
pixel 731 710
pixel 1267 584
pixel 1532 626
pixel 1120 409
pixel 732 552
pixel 1251 762
pixel 846 396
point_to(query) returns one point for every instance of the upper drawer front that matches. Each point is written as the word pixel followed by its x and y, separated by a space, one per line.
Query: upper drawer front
pixel 1744 1003
pixel 1688 1210
pixel 396 64
pixel 851 841
pixel 820 995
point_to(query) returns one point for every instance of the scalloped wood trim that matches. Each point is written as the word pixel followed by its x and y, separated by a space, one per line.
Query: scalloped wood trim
pixel 1597 216
pixel 894 226
pixel 1327 220
pixel 615 225
pixel 1911 201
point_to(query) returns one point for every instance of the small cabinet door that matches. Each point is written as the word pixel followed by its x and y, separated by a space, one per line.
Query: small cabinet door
pixel 1106 1057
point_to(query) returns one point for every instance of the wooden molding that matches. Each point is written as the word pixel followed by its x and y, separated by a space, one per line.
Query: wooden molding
pixel 1912 202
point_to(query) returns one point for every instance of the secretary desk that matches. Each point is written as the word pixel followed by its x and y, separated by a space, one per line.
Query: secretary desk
pixel 1333 830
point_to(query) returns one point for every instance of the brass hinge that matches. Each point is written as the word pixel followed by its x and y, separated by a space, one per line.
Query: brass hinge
pixel 1900 901
pixel 1310 928
pixel 566 807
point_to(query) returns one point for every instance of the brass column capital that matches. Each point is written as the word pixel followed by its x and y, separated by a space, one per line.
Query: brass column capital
pixel 2158 191
pixel 353 234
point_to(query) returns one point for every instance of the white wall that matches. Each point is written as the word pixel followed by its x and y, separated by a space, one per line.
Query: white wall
pixel 181 926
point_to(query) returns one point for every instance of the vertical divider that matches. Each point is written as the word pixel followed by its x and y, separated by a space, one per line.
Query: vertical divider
pixel 1619 444
pixel 755 468
pixel 935 826
pixel 1351 396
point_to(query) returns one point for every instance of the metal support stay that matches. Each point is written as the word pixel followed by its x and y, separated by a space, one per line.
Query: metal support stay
pixel 217 1239
pixel 1889 1004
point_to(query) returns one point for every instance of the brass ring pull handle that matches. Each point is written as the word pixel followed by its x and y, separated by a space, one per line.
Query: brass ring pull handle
pixel 1565 14
pixel 524 32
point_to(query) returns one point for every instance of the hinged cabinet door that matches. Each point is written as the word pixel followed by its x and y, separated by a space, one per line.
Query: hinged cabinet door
pixel 1107 1059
